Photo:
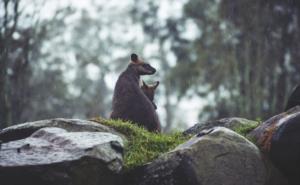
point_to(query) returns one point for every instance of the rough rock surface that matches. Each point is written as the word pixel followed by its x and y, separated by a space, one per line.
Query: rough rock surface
pixel 294 98
pixel 279 138
pixel 24 130
pixel 53 156
pixel 263 134
pixel 230 123
pixel 217 156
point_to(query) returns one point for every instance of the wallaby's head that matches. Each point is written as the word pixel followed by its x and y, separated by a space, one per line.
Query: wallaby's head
pixel 141 67
pixel 149 90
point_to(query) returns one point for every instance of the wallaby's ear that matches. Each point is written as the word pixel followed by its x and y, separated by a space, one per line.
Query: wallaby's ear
pixel 134 58
pixel 156 84
pixel 144 84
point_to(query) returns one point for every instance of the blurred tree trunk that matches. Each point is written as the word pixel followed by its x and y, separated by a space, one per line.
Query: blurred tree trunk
pixel 21 76
pixel 5 111
pixel 262 38
pixel 167 88
pixel 6 32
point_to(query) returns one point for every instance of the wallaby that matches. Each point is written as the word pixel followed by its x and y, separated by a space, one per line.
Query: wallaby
pixel 130 102
pixel 149 91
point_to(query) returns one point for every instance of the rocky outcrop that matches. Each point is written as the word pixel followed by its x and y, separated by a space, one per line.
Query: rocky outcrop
pixel 279 139
pixel 78 152
pixel 294 98
pixel 55 156
pixel 24 130
pixel 263 134
pixel 216 156
pixel 230 123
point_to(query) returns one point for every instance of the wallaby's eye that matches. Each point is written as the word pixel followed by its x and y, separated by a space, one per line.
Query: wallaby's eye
pixel 145 65
pixel 144 69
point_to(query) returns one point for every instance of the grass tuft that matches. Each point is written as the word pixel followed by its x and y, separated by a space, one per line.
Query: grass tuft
pixel 143 146
pixel 245 129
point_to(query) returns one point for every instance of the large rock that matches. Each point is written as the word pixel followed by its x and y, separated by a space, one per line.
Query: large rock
pixel 231 123
pixel 263 134
pixel 294 98
pixel 24 130
pixel 217 156
pixel 279 138
pixel 53 156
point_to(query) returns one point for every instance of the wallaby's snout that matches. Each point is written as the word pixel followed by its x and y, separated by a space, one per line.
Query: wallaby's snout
pixel 147 69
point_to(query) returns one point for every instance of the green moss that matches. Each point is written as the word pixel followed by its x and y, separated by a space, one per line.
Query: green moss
pixel 142 146
pixel 245 129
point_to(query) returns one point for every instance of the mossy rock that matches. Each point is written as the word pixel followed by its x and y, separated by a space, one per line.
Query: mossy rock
pixel 240 125
pixel 142 146
pixel 245 129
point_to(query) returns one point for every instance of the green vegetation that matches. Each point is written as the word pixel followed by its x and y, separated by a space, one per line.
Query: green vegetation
pixel 142 146
pixel 244 129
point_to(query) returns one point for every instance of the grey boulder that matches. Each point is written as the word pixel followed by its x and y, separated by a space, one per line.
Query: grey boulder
pixel 217 156
pixel 231 123
pixel 24 130
pixel 279 138
pixel 54 156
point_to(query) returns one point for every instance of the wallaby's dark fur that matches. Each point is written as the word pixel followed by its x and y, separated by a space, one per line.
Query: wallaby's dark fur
pixel 130 102
pixel 149 91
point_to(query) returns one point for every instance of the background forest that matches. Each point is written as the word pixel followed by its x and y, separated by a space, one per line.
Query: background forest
pixel 215 58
